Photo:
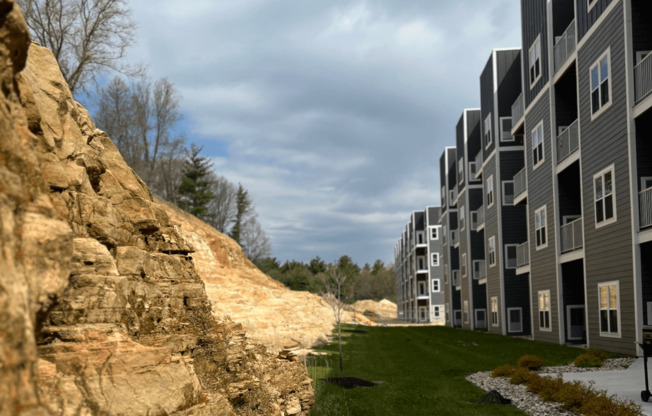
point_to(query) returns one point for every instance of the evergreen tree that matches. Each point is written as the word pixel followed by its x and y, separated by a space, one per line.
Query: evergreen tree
pixel 243 209
pixel 194 192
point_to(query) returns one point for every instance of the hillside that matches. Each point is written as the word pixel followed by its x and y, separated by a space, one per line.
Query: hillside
pixel 101 308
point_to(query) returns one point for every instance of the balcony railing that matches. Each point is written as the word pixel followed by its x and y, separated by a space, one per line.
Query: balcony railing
pixel 477 218
pixel 645 207
pixel 571 236
pixel 519 183
pixel 643 78
pixel 564 45
pixel 523 254
pixel 517 109
pixel 567 142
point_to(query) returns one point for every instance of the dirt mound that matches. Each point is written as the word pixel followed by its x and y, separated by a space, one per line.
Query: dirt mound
pixel 383 310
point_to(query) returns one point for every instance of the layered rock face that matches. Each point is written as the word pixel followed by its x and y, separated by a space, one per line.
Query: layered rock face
pixel 101 308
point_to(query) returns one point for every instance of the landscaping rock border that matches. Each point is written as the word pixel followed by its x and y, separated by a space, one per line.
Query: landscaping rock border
pixel 531 403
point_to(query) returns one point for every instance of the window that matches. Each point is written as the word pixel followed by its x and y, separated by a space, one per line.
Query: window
pixel 537 145
pixel 434 260
pixel 540 227
pixel 494 311
pixel 510 256
pixel 544 310
pixel 421 263
pixel 460 170
pixel 535 61
pixel 456 277
pixel 473 169
pixel 423 289
pixel 420 237
pixel 605 201
pixel 435 285
pixel 506 129
pixel 434 233
pixel 515 323
pixel 490 191
pixel 492 251
pixel 462 215
pixel 600 85
pixel 463 265
pixel 508 192
pixel 443 196
pixel 436 314
pixel 452 196
pixel 609 306
pixel 487 131
pixel 466 311
pixel 478 269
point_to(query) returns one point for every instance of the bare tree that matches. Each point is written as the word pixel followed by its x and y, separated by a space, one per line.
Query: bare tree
pixel 141 119
pixel 222 207
pixel 333 281
pixel 254 240
pixel 86 36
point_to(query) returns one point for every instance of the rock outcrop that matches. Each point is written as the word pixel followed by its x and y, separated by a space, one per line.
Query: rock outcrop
pixel 271 314
pixel 101 308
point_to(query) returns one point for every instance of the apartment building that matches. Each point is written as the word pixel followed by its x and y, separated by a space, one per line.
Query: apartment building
pixel 499 158
pixel 562 163
pixel 419 271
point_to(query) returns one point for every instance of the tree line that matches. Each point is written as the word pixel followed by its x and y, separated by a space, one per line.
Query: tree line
pixel 375 281
pixel 89 38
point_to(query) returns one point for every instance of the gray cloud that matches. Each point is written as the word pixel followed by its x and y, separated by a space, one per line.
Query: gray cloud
pixel 334 113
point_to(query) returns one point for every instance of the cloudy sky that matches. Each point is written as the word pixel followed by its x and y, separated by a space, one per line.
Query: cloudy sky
pixel 332 113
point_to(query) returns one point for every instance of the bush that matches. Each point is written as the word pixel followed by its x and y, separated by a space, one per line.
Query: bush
pixel 530 361
pixel 520 375
pixel 588 360
pixel 572 395
pixel 601 404
pixel 503 371
pixel 603 355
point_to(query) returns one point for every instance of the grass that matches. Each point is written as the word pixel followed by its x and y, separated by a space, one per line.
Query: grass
pixel 423 370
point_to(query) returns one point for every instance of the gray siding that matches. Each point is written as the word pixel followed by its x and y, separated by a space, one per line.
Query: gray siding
pixel 533 19
pixel 586 19
pixel 608 249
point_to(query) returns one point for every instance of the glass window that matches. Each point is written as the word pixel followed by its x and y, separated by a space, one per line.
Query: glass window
pixel 492 251
pixel 544 309
pixel 510 256
pixel 537 144
pixel 535 61
pixel 600 89
pixel 540 227
pixel 487 131
pixel 508 192
pixel 494 311
pixel 605 203
pixel 490 191
pixel 609 307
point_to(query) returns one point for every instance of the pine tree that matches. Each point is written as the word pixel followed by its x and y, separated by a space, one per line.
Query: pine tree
pixel 195 188
pixel 243 209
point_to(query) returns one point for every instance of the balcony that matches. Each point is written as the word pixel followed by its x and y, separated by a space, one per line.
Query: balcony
pixel 456 278
pixel 479 271
pixel 564 45
pixel 643 78
pixel 478 165
pixel 645 207
pixel 520 186
pixel 571 236
pixel 455 239
pixel 518 108
pixel 567 142
pixel 523 254
pixel 477 219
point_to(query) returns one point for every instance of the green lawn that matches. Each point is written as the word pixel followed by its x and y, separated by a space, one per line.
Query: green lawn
pixel 422 369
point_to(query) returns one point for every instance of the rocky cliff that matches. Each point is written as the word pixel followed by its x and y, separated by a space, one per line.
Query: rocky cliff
pixel 101 308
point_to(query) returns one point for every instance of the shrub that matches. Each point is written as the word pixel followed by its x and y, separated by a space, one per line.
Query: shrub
pixel 503 371
pixel 601 404
pixel 572 395
pixel 603 355
pixel 588 360
pixel 520 375
pixel 545 387
pixel 530 361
